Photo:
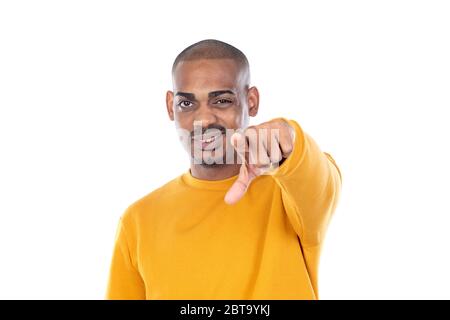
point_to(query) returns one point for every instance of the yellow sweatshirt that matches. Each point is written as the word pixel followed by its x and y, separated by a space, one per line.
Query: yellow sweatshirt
pixel 182 241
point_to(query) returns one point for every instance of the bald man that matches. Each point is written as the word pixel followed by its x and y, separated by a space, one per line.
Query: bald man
pixel 247 220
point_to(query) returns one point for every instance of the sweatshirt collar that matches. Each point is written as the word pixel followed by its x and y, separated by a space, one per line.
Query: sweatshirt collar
pixel 223 184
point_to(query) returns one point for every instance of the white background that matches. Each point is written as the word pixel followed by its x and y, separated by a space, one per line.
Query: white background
pixel 82 106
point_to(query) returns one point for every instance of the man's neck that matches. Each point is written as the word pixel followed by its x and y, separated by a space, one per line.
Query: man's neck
pixel 217 172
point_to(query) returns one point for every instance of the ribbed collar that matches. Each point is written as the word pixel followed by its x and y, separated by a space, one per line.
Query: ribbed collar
pixel 191 181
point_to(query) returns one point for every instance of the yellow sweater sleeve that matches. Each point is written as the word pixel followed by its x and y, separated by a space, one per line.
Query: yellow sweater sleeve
pixel 310 183
pixel 125 282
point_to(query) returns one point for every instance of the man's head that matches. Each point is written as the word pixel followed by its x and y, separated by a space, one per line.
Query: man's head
pixel 211 87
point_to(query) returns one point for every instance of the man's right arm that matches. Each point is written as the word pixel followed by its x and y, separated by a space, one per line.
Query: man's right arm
pixel 125 282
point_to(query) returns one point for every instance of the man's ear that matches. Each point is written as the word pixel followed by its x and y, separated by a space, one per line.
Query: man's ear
pixel 169 104
pixel 253 101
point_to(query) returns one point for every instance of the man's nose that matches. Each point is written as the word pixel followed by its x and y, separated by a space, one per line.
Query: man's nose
pixel 206 115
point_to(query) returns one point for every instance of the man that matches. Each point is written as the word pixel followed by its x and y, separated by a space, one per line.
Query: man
pixel 237 225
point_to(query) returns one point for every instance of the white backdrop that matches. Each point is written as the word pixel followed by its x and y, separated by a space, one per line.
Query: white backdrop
pixel 82 104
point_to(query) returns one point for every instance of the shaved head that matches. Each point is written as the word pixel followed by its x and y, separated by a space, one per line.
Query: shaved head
pixel 211 90
pixel 214 49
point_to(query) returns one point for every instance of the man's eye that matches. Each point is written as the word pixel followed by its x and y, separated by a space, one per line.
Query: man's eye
pixel 185 104
pixel 223 101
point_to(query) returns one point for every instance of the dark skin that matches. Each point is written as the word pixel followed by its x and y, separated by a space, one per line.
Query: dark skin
pixel 216 92
pixel 200 93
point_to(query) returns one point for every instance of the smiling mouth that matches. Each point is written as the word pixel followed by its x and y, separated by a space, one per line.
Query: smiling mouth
pixel 207 137
pixel 206 140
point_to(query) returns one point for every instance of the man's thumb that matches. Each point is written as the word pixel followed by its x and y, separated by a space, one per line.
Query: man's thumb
pixel 239 187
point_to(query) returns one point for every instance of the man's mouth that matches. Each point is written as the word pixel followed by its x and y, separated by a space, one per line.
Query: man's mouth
pixel 207 140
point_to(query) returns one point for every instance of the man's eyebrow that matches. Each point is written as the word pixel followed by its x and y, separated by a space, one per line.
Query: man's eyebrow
pixel 211 94
pixel 219 92
pixel 188 95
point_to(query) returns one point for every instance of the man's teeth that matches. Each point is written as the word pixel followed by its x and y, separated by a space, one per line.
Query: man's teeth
pixel 207 139
pixel 211 139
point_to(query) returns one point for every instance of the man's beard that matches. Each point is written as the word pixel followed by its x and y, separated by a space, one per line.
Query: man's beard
pixel 212 165
pixel 210 161
pixel 211 156
pixel 209 147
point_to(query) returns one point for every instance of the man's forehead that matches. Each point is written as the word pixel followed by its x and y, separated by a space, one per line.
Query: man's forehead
pixel 211 73
pixel 207 64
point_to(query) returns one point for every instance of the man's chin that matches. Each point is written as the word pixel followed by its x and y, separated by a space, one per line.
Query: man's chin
pixel 212 165
pixel 209 161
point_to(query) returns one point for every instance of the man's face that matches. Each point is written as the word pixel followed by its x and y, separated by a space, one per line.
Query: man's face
pixel 212 95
